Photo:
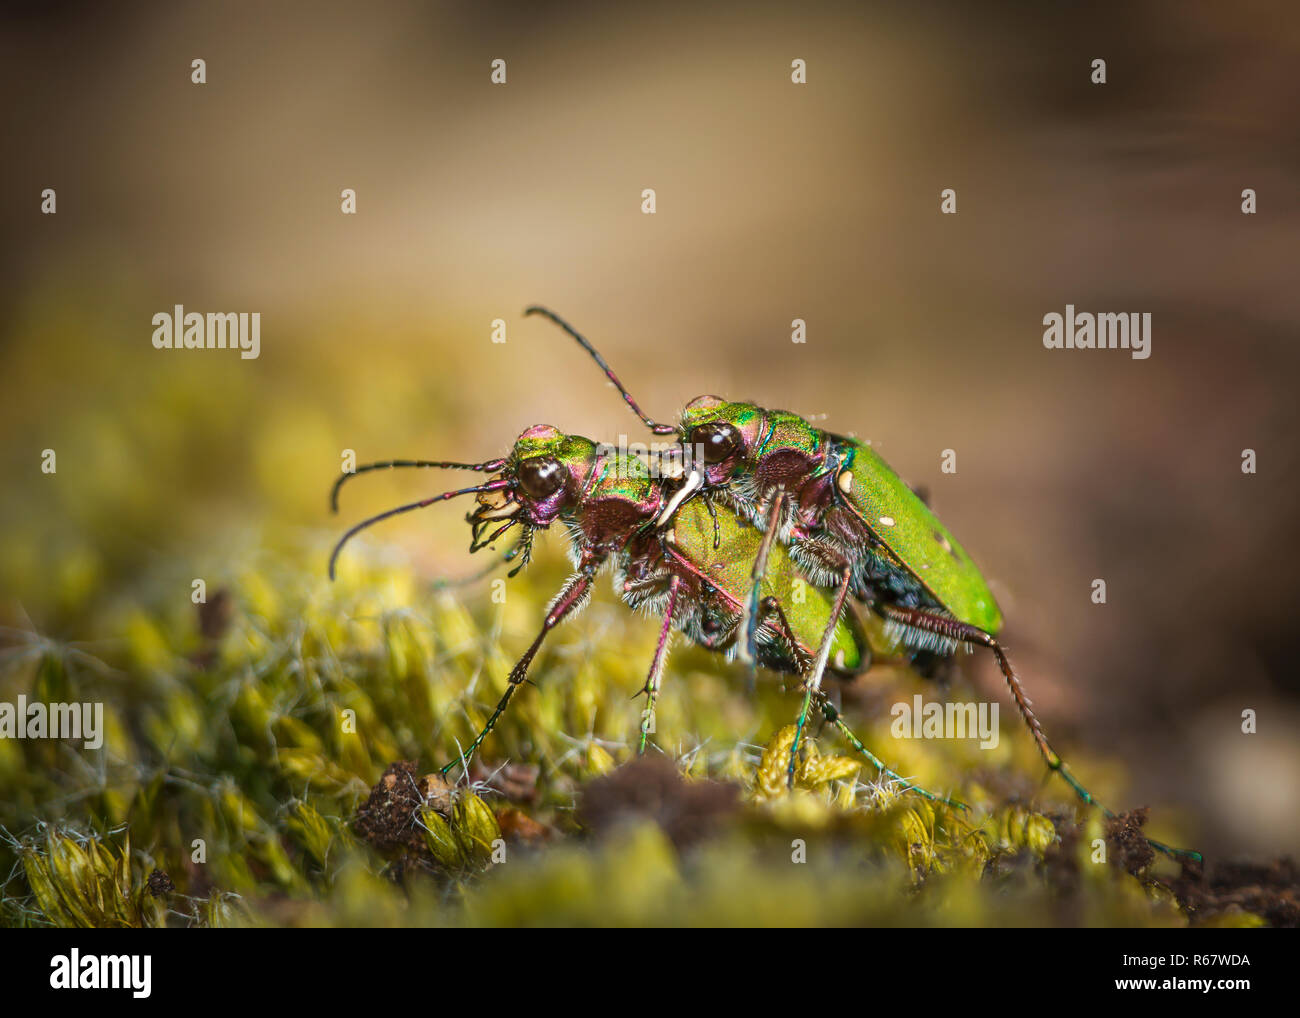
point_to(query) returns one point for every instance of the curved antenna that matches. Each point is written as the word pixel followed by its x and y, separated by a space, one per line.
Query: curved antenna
pixel 489 466
pixel 334 556
pixel 658 429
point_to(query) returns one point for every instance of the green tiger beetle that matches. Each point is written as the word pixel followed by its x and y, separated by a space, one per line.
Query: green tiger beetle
pixel 850 524
pixel 680 559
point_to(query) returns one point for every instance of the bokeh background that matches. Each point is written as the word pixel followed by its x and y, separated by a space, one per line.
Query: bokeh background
pixel 775 202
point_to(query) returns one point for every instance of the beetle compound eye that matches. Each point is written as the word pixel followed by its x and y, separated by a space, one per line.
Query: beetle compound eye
pixel 541 476
pixel 718 440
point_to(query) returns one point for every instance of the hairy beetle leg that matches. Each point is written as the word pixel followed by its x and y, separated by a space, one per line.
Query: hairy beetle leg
pixel 652 681
pixel 571 598
pixel 832 715
pixel 970 635
pixel 814 685
pixel 749 647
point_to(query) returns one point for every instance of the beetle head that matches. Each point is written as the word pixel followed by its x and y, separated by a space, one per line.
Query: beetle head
pixel 545 475
pixel 724 436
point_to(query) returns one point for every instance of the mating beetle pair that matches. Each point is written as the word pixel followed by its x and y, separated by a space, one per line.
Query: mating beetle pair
pixel 715 546
pixel 688 561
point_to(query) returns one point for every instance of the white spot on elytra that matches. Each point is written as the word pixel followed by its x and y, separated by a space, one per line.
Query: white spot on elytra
pixel 886 521
pixel 845 481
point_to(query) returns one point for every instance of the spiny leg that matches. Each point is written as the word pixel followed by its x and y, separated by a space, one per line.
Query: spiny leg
pixel 814 684
pixel 832 714
pixel 571 597
pixel 960 631
pixel 757 574
pixel 651 689
pixel 968 634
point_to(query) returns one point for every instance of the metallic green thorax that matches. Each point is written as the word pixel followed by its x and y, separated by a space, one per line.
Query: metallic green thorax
pixel 807 609
pixel 788 431
pixel 914 535
pixel 714 408
pixel 621 475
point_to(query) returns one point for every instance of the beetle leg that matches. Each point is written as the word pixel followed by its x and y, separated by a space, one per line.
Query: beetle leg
pixel 651 689
pixel 813 686
pixel 961 632
pixel 801 660
pixel 832 714
pixel 571 598
pixel 748 648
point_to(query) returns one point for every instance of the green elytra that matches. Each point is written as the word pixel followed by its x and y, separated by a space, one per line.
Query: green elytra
pixel 850 522
pixel 688 562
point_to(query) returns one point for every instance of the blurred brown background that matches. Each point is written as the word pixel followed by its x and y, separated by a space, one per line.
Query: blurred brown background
pixel 775 202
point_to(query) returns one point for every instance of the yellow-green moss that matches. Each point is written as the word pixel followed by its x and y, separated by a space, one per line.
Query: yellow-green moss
pixel 241 752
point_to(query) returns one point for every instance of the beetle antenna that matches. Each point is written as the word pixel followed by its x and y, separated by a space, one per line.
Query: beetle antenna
pixel 489 466
pixel 658 429
pixel 490 486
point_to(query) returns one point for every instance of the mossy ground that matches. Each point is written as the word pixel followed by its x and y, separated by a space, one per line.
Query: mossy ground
pixel 241 780
pixel 244 737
